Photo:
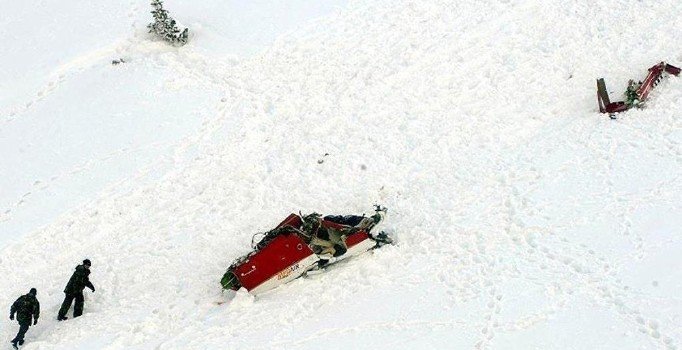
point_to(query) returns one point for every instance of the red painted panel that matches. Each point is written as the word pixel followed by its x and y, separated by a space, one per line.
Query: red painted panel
pixel 280 253
pixel 616 107
pixel 356 238
pixel 292 220
pixel 283 251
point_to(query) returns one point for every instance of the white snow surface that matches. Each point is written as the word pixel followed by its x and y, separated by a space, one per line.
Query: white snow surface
pixel 524 219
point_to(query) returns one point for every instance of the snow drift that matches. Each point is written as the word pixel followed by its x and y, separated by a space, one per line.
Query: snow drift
pixel 524 218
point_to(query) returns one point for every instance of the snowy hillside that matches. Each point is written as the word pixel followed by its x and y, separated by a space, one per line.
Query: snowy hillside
pixel 524 219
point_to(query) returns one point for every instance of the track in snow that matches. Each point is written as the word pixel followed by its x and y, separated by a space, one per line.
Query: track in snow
pixel 524 218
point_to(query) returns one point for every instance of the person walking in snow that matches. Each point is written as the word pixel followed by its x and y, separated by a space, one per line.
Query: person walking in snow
pixel 27 310
pixel 74 291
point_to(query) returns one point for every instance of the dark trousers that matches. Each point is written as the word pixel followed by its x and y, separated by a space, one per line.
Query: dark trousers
pixel 23 328
pixel 77 307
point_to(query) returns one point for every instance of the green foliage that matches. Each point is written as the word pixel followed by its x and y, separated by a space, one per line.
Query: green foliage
pixel 631 96
pixel 165 27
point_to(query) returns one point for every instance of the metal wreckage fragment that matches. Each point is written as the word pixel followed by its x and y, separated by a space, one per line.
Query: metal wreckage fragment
pixel 636 93
pixel 300 244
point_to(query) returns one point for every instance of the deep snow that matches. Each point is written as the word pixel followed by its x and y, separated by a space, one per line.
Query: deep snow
pixel 524 218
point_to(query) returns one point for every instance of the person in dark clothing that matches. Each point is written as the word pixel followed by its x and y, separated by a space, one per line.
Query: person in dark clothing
pixel 27 309
pixel 74 291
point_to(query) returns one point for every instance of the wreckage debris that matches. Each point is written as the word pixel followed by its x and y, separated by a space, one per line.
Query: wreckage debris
pixel 303 243
pixel 636 93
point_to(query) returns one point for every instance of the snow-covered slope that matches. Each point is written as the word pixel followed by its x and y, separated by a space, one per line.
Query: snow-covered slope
pixel 524 219
pixel 73 123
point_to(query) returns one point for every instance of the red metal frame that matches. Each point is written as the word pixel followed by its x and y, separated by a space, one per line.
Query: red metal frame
pixel 642 92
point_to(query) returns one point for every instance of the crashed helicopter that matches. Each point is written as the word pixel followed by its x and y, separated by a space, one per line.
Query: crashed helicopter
pixel 300 244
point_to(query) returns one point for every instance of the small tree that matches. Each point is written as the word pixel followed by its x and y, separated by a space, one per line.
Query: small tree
pixel 165 27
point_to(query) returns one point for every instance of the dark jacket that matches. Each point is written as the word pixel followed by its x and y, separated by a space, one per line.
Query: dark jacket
pixel 27 309
pixel 78 281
